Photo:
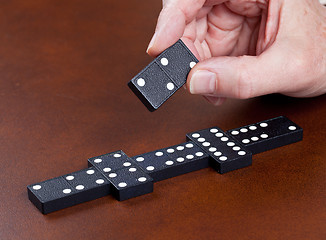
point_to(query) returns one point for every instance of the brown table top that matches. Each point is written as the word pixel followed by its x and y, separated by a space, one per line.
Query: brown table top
pixel 64 66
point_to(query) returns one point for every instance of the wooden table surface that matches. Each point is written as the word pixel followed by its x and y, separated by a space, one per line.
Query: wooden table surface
pixel 64 66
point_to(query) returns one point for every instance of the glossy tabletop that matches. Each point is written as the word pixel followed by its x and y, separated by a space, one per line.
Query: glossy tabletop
pixel 64 66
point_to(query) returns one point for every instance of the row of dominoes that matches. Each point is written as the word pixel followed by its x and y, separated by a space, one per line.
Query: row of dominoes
pixel 124 177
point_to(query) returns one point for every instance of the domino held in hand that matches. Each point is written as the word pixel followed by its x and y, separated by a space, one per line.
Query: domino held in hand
pixel 163 76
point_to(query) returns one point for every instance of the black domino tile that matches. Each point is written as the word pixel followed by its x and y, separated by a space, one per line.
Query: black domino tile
pixel 52 195
pixel 268 134
pixel 172 161
pixel 153 163
pixel 163 76
pixel 179 61
pixel 68 190
pixel 152 86
pixel 115 168
pixel 226 153
pixel 130 182
pixel 109 162
pixel 186 157
pixel 90 183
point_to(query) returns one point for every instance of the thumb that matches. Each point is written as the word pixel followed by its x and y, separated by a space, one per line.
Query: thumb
pixel 237 77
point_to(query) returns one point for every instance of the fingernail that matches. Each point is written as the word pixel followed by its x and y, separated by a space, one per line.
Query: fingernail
pixel 151 43
pixel 202 82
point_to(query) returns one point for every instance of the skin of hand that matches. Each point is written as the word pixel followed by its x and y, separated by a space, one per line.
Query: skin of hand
pixel 248 48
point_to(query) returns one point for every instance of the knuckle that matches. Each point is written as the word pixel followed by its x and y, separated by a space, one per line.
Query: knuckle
pixel 304 68
pixel 244 84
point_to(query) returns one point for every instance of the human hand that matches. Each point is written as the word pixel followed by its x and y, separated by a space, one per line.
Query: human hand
pixel 248 48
